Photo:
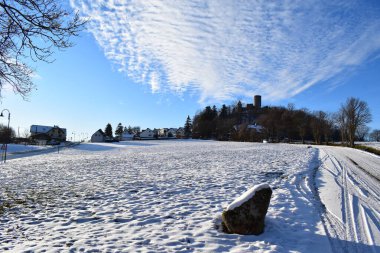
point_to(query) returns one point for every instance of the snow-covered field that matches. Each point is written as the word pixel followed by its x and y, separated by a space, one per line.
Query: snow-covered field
pixel 161 196
pixel 15 148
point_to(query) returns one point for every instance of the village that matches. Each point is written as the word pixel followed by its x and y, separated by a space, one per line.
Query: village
pixel 250 122
pixel 54 135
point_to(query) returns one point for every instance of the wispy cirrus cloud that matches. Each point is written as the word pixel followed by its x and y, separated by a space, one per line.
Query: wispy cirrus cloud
pixel 225 49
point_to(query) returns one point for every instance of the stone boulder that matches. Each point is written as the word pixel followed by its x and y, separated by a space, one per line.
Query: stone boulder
pixel 246 214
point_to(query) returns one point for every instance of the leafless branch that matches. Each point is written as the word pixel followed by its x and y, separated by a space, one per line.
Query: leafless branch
pixel 32 29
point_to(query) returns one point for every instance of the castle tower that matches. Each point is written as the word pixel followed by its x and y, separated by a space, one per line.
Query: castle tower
pixel 257 101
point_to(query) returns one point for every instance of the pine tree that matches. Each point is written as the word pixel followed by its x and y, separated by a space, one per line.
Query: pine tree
pixel 119 131
pixel 188 127
pixel 130 130
pixel 223 112
pixel 108 131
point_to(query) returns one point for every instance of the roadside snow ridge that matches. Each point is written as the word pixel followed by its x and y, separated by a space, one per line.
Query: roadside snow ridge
pixel 246 196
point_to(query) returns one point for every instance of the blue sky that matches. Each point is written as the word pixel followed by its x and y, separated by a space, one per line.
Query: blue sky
pixel 151 65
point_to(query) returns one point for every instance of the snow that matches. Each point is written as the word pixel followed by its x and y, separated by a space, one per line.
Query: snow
pixel 348 185
pixel 161 196
pixel 15 148
pixel 246 196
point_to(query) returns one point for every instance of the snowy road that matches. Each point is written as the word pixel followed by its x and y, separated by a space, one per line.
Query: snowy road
pixel 349 187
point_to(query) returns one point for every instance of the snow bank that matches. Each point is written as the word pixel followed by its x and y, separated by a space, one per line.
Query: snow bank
pixel 246 196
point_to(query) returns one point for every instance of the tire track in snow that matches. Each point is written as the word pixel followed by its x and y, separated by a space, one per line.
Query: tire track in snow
pixel 358 231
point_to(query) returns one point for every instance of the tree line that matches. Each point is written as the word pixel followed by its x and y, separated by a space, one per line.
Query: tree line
pixel 286 124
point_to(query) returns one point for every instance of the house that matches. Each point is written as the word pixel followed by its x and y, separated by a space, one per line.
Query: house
pixel 161 132
pixel 180 133
pixel 98 136
pixel 47 134
pixel 147 134
pixel 258 128
pixel 171 133
pixel 127 136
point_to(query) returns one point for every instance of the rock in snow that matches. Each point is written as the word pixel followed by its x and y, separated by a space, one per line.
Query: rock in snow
pixel 246 214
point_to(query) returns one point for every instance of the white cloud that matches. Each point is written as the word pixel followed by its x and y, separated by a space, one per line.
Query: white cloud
pixel 226 49
pixel 154 82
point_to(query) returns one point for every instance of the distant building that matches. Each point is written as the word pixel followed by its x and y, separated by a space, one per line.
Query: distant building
pixel 160 132
pixel 47 134
pixel 147 134
pixel 127 136
pixel 250 113
pixel 258 128
pixel 180 133
pixel 98 136
pixel 172 133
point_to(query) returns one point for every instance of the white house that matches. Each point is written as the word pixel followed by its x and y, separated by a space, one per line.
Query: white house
pixel 258 128
pixel 147 134
pixel 47 134
pixel 161 132
pixel 127 136
pixel 98 136
pixel 171 133
pixel 180 133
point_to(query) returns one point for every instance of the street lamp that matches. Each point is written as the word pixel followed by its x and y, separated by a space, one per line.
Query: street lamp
pixel 9 132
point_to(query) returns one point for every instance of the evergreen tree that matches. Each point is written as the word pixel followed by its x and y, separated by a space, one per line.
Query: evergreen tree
pixel 239 107
pixel 214 111
pixel 119 131
pixel 237 112
pixel 136 129
pixel 130 130
pixel 188 127
pixel 223 112
pixel 108 131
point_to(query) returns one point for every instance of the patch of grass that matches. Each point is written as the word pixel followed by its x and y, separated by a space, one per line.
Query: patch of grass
pixel 368 149
pixel 13 199
pixel 360 147
pixel 8 204
pixel 4 206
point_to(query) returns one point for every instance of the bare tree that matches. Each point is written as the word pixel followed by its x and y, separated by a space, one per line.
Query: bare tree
pixel 328 127
pixel 340 121
pixel 26 133
pixel 302 120
pixel 317 124
pixel 362 133
pixel 32 29
pixel 375 135
pixel 355 113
